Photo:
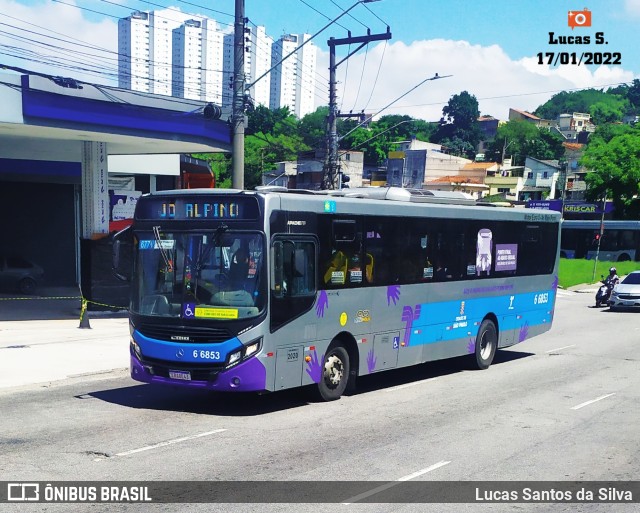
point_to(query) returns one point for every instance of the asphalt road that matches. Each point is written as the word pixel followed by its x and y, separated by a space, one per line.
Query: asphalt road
pixel 562 406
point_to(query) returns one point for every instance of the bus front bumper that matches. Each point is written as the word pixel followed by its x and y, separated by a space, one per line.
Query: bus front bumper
pixel 248 376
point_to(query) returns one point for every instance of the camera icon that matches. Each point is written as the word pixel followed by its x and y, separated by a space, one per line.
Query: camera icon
pixel 579 18
pixel 23 492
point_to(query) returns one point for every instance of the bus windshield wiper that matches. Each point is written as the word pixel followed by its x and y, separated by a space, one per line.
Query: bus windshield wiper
pixel 167 261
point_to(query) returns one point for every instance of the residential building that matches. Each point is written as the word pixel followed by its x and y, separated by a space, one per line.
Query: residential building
pixel 197 61
pixel 292 82
pixel 257 61
pixel 144 50
pixel 308 171
pixel 416 162
pixel 574 182
pixel 506 180
pixel 472 186
pixel 540 179
pixel 523 115
pixel 576 127
pixel 171 53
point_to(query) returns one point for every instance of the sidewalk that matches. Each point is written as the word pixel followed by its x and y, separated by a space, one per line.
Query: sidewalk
pixel 41 342
pixel 589 288
pixel 43 351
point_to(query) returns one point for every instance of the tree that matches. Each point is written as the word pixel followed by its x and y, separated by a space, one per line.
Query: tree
pixel 313 128
pixel 608 131
pixel 633 94
pixel 615 169
pixel 511 139
pixel 611 105
pixel 264 120
pixel 460 122
pixel 606 112
pixel 521 139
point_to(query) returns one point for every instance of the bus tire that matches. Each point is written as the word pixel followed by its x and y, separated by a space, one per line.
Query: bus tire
pixel 486 344
pixel 335 373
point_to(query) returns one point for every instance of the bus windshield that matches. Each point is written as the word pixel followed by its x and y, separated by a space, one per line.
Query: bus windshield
pixel 209 274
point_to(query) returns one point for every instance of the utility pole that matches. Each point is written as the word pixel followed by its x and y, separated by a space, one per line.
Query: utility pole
pixel 237 116
pixel 595 261
pixel 331 167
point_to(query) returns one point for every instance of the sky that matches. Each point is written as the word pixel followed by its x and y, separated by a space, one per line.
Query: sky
pixel 488 48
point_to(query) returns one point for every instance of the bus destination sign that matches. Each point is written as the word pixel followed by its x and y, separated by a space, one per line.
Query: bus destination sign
pixel 207 208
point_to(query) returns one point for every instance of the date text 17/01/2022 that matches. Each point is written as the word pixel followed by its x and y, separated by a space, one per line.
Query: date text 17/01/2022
pixel 578 58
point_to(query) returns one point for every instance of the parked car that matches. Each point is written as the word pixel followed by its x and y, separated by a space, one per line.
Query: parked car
pixel 626 294
pixel 19 274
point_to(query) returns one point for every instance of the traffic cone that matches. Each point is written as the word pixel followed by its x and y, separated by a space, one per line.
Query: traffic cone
pixel 84 316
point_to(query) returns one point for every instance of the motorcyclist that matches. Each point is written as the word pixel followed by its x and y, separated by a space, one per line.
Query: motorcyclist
pixel 604 292
pixel 613 278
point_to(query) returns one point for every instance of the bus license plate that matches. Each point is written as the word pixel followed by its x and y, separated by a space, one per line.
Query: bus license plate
pixel 183 375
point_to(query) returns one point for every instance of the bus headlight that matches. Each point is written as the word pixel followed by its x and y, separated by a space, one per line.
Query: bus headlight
pixel 244 353
pixel 253 348
pixel 234 357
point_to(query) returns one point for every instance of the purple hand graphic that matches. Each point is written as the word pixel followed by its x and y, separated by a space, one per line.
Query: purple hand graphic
pixel 371 361
pixel 393 294
pixel 524 331
pixel 315 367
pixel 471 346
pixel 323 302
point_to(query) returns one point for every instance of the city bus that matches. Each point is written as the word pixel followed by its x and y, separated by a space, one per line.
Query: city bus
pixel 620 240
pixel 274 289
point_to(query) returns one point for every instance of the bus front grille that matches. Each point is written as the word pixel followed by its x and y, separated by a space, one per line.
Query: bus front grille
pixel 198 372
pixel 186 334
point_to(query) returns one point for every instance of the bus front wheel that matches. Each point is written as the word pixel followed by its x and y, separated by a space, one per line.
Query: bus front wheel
pixel 335 373
pixel 486 344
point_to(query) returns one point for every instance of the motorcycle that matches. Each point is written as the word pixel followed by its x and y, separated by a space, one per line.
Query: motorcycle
pixel 604 292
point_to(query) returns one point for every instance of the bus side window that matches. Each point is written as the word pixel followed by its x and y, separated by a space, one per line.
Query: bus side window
pixel 294 268
pixel 343 262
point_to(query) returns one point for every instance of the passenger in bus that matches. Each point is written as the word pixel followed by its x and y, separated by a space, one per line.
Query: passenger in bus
pixel 239 268
pixel 336 268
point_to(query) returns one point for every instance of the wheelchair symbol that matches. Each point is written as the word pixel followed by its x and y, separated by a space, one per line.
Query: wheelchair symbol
pixel 188 310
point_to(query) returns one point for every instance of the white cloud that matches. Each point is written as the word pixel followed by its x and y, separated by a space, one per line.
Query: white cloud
pixel 484 71
pixel 68 25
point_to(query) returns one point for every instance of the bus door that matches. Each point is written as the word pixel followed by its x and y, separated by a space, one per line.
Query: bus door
pixel 293 291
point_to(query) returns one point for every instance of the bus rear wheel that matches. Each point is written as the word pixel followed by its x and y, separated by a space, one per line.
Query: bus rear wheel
pixel 486 344
pixel 335 373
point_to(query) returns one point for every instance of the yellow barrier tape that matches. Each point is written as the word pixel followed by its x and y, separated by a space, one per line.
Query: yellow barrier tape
pixel 38 298
pixel 104 304
pixel 84 300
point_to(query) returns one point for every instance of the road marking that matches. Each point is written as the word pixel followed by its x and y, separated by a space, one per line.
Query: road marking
pixel 565 293
pixel 400 387
pixel 169 442
pixel 380 488
pixel 587 403
pixel 560 348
